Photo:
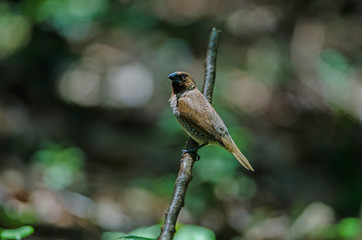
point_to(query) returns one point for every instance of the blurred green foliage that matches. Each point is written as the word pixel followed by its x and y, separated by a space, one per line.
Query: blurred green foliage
pixel 17 233
pixel 60 165
pixel 72 19
pixel 14 31
pixel 89 145
pixel 350 228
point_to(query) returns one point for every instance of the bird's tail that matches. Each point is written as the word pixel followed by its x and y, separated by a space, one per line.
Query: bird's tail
pixel 242 159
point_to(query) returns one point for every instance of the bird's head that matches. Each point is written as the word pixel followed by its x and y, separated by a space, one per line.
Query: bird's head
pixel 181 81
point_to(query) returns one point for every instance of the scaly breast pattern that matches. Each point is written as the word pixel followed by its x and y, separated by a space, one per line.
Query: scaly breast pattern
pixel 196 135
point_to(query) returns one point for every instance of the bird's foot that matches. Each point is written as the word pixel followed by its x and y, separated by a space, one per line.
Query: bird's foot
pixel 192 151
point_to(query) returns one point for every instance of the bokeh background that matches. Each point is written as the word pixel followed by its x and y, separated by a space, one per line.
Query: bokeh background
pixel 89 146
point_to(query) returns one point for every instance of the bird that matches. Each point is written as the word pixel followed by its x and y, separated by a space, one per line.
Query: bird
pixel 199 118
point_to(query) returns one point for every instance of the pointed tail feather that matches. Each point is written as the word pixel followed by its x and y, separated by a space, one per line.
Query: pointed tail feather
pixel 242 159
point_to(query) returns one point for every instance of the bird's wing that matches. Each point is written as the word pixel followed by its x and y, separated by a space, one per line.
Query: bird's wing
pixel 199 114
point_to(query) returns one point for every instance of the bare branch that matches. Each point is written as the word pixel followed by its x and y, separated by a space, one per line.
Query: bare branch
pixel 210 64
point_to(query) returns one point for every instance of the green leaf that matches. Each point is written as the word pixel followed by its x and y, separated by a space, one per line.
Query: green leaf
pixel 151 232
pixel 136 238
pixel 142 233
pixel 112 235
pixel 17 233
pixel 192 232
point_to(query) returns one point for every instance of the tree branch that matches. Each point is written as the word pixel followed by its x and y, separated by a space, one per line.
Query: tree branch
pixel 187 160
pixel 210 64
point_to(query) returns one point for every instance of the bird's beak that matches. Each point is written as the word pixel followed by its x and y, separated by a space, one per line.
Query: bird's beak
pixel 174 77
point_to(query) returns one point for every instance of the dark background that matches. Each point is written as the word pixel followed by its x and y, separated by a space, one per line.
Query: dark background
pixel 88 143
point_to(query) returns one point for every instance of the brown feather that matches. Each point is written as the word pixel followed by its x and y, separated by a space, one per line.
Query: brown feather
pixel 199 114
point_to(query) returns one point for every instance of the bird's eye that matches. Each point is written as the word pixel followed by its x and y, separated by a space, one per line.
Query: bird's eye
pixel 183 75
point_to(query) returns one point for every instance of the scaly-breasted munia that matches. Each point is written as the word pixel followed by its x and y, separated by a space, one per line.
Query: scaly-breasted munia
pixel 198 118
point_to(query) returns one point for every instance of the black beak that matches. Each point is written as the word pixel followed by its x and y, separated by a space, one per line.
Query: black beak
pixel 174 77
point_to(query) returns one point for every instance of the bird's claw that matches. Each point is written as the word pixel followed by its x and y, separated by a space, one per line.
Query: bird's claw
pixel 193 151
